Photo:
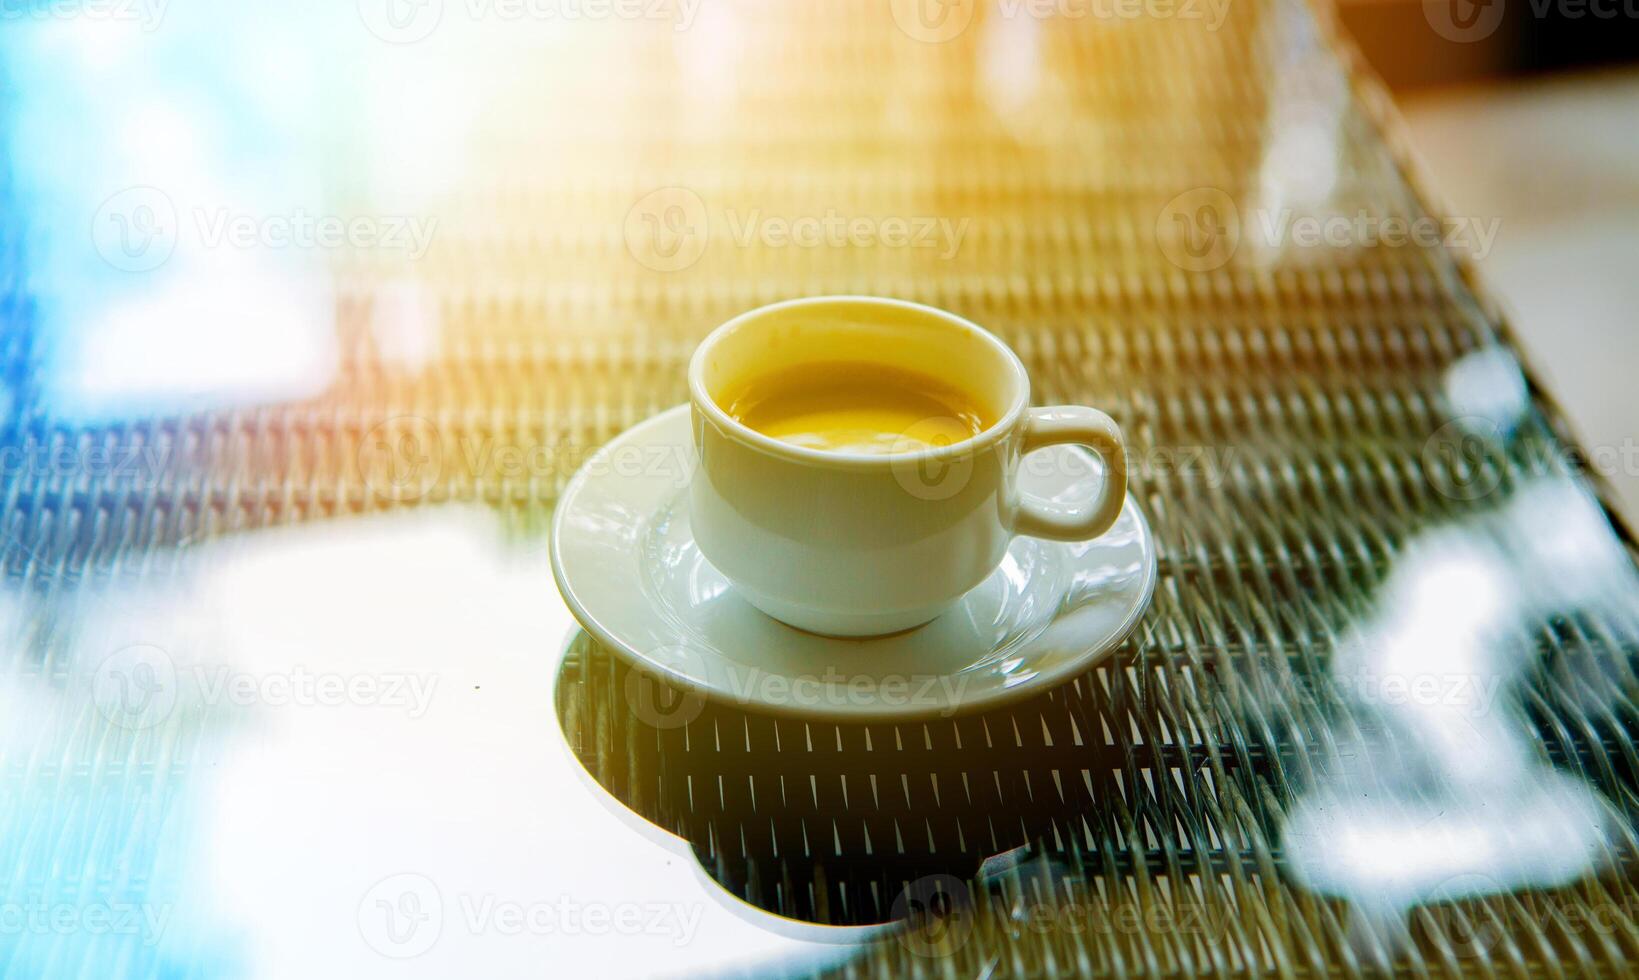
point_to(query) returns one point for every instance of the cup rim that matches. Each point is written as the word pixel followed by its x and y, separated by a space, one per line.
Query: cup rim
pixel 991 434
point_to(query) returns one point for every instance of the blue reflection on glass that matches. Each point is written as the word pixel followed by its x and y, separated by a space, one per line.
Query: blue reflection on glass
pixel 135 156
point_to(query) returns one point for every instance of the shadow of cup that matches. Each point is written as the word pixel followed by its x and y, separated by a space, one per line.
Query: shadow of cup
pixel 832 823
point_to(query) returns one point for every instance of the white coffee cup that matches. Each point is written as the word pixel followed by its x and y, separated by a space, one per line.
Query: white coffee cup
pixel 855 544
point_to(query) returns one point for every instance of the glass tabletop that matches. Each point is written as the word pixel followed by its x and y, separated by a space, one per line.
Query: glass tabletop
pixel 310 314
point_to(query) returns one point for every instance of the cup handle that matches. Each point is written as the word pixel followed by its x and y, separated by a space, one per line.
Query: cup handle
pixel 1060 424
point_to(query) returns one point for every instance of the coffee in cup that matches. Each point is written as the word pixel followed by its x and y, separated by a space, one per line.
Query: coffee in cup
pixel 857 407
pixel 859 461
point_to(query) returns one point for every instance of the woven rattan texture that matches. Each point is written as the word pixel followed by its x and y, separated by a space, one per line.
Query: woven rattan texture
pixel 1281 406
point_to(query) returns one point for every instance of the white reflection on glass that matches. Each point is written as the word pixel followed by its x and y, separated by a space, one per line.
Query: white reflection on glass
pixel 1301 168
pixel 345 762
pixel 419 113
pixel 1487 391
pixel 406 325
pixel 1452 798
pixel 1300 160
pixel 709 56
pixel 1010 68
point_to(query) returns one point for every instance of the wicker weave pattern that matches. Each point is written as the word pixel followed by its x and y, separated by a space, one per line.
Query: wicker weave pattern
pixel 1281 407
pixel 1152 793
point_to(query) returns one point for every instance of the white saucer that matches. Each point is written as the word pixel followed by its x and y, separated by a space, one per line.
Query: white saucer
pixel 628 567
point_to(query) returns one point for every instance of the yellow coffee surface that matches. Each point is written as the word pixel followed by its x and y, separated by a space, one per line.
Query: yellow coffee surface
pixel 857 407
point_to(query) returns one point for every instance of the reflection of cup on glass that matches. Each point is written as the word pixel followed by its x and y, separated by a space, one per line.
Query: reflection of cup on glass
pixel 859 461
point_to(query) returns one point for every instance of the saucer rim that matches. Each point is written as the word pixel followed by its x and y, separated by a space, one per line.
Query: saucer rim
pixel 998 698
